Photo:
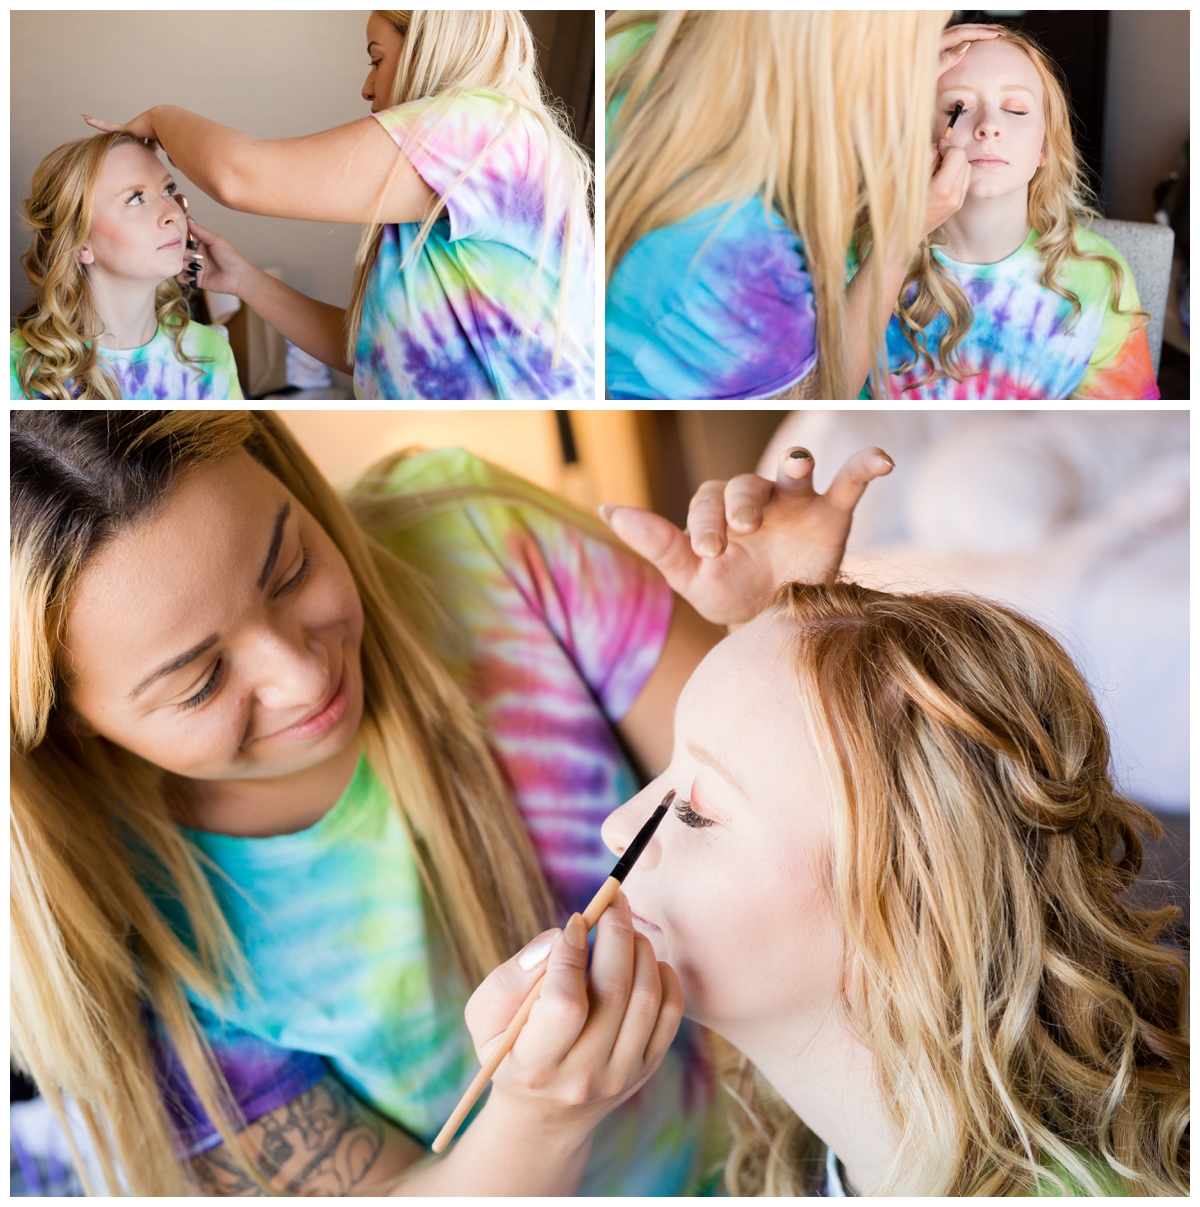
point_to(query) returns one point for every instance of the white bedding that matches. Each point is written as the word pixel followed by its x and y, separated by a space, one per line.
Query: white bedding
pixel 1079 519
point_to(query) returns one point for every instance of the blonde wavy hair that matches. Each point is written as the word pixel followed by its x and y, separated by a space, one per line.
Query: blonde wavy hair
pixel 60 325
pixel 822 114
pixel 446 53
pixel 1060 201
pixel 90 822
pixel 1028 1025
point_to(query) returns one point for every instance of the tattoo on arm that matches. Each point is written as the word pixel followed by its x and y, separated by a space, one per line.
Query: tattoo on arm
pixel 325 1142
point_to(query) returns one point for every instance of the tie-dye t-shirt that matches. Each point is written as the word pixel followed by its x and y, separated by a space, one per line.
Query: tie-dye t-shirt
pixel 476 313
pixel 717 306
pixel 153 371
pixel 1021 344
pixel 559 629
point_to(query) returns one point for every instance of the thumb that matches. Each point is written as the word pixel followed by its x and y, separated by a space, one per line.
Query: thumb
pixel 501 993
pixel 657 540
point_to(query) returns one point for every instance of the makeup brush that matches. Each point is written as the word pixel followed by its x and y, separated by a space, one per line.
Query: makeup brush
pixel 193 268
pixel 958 109
pixel 598 904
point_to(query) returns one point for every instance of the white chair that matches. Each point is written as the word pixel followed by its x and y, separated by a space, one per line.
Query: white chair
pixel 1148 248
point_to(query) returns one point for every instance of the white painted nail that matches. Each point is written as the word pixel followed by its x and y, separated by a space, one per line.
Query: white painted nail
pixel 531 957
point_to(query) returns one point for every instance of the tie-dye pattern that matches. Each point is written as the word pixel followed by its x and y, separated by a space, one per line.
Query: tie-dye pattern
pixel 718 306
pixel 1021 344
pixel 154 372
pixel 475 314
pixel 560 629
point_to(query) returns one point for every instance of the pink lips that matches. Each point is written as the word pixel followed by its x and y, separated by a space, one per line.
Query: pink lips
pixel 988 162
pixel 646 927
pixel 172 245
pixel 323 720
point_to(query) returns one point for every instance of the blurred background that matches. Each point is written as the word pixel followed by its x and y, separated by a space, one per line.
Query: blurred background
pixel 270 74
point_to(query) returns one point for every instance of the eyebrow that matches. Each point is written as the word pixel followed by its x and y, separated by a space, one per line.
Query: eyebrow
pixel 1003 88
pixel 276 542
pixel 703 755
pixel 375 42
pixel 169 668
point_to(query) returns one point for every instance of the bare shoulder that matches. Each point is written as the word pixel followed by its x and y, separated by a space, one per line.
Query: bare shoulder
pixel 324 1142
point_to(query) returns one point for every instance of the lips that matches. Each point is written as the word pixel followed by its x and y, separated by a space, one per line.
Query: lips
pixel 172 245
pixel 644 925
pixel 989 161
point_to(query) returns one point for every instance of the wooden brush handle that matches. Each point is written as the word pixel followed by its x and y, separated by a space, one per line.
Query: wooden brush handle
pixel 598 904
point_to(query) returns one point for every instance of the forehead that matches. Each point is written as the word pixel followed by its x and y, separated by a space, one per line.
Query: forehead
pixel 380 29
pixel 993 65
pixel 153 587
pixel 743 705
pixel 131 163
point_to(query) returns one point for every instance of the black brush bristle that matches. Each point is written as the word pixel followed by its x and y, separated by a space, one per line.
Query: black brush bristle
pixel 638 845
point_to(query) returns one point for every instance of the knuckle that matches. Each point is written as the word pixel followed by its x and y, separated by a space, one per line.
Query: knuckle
pixel 611 990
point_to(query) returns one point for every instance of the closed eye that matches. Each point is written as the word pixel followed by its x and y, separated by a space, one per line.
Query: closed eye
pixel 689 816
pixel 298 578
pixel 214 681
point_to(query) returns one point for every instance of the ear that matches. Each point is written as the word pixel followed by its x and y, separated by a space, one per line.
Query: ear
pixel 84 255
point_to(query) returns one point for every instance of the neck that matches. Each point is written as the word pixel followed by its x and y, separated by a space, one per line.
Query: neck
pixel 124 307
pixel 988 229
pixel 261 808
pixel 828 1079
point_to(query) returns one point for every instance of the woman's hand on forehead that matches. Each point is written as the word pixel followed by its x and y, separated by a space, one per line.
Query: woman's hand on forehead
pixel 956 41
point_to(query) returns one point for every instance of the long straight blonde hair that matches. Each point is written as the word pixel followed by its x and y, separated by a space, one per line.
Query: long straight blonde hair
pixel 1029 1026
pixel 90 823
pixel 822 114
pixel 60 325
pixel 445 53
pixel 1060 201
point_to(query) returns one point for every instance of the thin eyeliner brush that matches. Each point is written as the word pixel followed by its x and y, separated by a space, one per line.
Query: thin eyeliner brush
pixel 598 904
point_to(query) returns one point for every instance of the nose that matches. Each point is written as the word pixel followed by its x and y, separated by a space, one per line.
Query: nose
pixel 368 93
pixel 621 826
pixel 294 677
pixel 986 126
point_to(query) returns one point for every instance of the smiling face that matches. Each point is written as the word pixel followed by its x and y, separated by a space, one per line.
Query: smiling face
pixel 733 890
pixel 1003 124
pixel 138 230
pixel 384 45
pixel 219 638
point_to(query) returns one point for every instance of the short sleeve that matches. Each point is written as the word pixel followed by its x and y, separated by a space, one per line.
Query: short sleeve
pixel 1120 366
pixel 484 155
pixel 606 608
pixel 261 1077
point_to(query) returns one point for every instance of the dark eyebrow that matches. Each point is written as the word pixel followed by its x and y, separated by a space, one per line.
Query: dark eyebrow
pixel 374 43
pixel 276 542
pixel 175 664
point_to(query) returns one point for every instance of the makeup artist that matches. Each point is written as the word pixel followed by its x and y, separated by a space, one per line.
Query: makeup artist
pixel 474 275
pixel 292 775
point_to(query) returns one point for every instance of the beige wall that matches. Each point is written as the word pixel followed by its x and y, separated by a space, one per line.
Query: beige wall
pixel 1146 108
pixel 610 467
pixel 271 74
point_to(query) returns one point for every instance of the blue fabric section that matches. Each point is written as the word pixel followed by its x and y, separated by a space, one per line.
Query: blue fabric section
pixel 718 306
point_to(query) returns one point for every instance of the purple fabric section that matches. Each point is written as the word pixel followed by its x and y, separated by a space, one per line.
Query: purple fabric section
pixel 261 1077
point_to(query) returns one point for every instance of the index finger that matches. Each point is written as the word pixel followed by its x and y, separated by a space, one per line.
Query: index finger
pixel 853 478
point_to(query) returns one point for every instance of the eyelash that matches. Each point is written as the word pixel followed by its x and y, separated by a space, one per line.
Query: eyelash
pixel 214 679
pixel 139 196
pixel 207 690
pixel 689 816
pixel 1014 112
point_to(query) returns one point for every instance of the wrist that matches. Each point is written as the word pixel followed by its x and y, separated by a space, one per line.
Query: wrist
pixel 560 1129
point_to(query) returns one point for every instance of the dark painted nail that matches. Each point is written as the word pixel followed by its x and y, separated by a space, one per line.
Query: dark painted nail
pixel 800 454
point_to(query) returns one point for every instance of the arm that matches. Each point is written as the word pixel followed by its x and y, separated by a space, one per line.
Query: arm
pixel 593 1039
pixel 352 173
pixel 317 327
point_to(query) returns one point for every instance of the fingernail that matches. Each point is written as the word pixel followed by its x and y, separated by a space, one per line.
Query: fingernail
pixel 575 932
pixel 745 516
pixel 708 544
pixel 606 510
pixel 800 454
pixel 531 957
pixel 887 459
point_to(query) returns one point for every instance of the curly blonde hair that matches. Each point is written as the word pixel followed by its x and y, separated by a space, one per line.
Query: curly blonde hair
pixel 1060 201
pixel 1029 1025
pixel 60 325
